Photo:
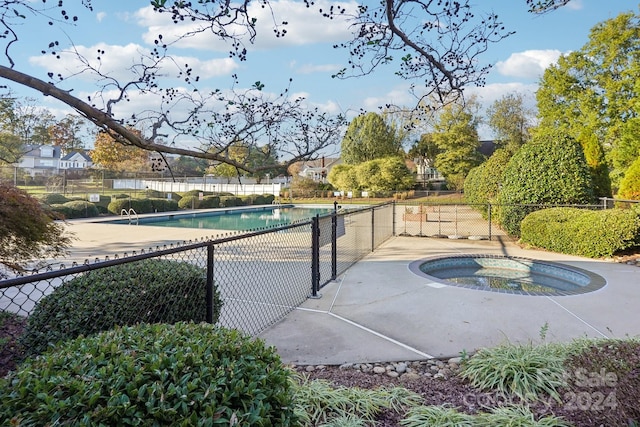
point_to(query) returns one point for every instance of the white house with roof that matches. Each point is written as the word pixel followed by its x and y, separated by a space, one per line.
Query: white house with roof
pixel 48 160
pixel 75 160
pixel 318 169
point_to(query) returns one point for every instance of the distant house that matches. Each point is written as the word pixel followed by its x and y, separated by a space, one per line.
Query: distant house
pixel 40 160
pixel 48 160
pixel 427 173
pixel 318 169
pixel 75 160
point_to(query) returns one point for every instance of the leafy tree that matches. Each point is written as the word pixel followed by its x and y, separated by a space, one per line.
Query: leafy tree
pixel 344 177
pixel 483 182
pixel 510 120
pixel 110 155
pixel 66 133
pixel 630 184
pixel 189 166
pixel 11 148
pixel 551 169
pixel 592 94
pixel 456 136
pixel 379 176
pixel 369 137
pixel 27 233
pixel 224 170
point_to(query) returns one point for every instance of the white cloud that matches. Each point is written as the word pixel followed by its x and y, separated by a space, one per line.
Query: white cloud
pixel 305 26
pixel 529 64
pixel 575 5
pixel 100 16
pixel 117 61
pixel 316 68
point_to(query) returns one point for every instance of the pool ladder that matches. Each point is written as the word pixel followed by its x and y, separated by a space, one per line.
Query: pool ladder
pixel 130 214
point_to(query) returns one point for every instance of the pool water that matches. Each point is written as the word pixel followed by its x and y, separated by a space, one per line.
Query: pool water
pixel 509 275
pixel 503 278
pixel 244 219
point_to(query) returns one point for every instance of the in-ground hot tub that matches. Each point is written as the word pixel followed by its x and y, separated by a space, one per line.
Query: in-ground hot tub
pixel 511 275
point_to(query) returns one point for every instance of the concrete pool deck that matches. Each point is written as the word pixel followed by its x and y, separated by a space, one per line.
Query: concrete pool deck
pixel 379 311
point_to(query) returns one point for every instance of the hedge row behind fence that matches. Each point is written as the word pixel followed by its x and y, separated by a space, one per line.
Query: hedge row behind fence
pixel 582 232
pixel 148 291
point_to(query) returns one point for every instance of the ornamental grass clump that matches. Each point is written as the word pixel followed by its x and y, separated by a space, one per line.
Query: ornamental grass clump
pixel 148 291
pixel 318 402
pixel 526 371
pixel 504 416
pixel 185 374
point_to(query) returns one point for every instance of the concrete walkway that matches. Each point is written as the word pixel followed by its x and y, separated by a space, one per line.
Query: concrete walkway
pixel 380 311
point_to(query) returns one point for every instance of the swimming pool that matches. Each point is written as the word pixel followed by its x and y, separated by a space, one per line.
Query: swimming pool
pixel 239 219
pixel 508 274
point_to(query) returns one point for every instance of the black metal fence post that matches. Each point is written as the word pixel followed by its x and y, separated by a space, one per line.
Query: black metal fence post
pixel 373 229
pixel 315 257
pixel 489 215
pixel 393 218
pixel 334 245
pixel 209 296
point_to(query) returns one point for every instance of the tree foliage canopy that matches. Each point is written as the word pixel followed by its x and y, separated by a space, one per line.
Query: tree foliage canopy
pixel 510 120
pixel 27 233
pixel 593 95
pixel 551 169
pixel 369 137
pixel 380 176
pixel 456 136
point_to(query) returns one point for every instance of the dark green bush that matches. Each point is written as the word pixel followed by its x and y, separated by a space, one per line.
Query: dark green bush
pixel 80 209
pixel 120 196
pixel 60 211
pixel 189 201
pixel 103 204
pixel 152 375
pixel 230 201
pixel 163 205
pixel 482 184
pixel 582 232
pixel 151 291
pixel 209 202
pixel 53 199
pixel 141 206
pixel 551 169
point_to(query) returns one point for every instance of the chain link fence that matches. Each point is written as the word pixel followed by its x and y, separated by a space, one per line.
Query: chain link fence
pixel 247 282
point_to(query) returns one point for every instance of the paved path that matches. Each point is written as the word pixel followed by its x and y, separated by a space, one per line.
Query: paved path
pixel 380 311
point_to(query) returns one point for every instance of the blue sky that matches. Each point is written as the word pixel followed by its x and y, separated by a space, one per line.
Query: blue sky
pixel 125 28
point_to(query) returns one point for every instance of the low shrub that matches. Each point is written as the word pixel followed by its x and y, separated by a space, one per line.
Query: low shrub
pixel 76 209
pixel 182 374
pixel 163 205
pixel 582 232
pixel 189 201
pixel 139 205
pixel 103 204
pixel 230 201
pixel 210 202
pixel 151 291
pixel 52 199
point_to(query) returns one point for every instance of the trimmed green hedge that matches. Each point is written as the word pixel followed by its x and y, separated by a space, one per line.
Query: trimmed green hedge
pixel 53 199
pixel 582 232
pixel 230 201
pixel 142 206
pixel 551 169
pixel 152 375
pixel 151 291
pixel 76 209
